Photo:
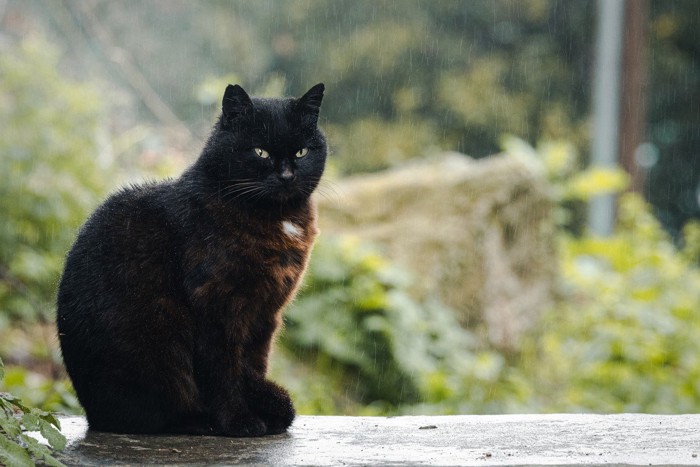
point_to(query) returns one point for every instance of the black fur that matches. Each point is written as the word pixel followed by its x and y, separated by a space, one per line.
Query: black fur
pixel 173 291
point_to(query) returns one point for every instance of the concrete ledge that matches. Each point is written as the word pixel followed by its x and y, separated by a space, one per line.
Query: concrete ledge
pixel 437 440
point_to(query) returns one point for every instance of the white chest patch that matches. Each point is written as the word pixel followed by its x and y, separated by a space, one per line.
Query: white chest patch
pixel 291 229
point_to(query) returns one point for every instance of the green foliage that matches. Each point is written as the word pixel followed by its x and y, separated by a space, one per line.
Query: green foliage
pixel 356 340
pixel 624 336
pixel 49 175
pixel 560 163
pixel 403 80
pixel 470 70
pixel 691 243
pixel 34 367
pixel 50 178
pixel 673 120
pixel 39 390
pixel 570 184
pixel 356 322
pixel 19 449
pixel 372 144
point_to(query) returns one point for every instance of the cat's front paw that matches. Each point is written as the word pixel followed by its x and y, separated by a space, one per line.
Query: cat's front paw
pixel 272 403
pixel 280 420
pixel 248 425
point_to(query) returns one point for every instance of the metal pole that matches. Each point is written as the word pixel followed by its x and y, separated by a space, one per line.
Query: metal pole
pixel 606 107
pixel 633 111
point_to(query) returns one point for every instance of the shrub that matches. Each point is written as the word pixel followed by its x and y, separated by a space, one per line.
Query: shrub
pixel 624 337
pixel 49 175
pixel 356 322
pixel 17 448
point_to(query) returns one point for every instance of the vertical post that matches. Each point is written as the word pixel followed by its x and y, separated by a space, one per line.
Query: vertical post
pixel 606 98
pixel 634 86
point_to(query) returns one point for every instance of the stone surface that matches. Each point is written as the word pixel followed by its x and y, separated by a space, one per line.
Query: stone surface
pixel 478 234
pixel 485 440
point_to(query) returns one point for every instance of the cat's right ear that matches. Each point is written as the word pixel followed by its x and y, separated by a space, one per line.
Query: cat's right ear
pixel 236 102
pixel 310 103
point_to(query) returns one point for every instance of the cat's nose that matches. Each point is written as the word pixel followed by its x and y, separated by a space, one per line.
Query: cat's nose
pixel 287 175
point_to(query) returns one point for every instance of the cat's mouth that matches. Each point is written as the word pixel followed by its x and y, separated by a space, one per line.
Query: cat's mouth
pixel 285 189
pixel 286 193
pixel 270 191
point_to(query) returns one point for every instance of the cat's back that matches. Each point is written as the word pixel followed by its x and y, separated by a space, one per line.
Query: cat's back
pixel 121 248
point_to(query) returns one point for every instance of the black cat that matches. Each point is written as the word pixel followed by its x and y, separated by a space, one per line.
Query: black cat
pixel 173 291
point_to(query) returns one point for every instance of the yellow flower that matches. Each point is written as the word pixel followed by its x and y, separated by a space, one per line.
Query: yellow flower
pixel 597 181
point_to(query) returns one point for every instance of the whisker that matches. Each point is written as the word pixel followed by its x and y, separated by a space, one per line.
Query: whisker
pixel 235 189
pixel 329 190
pixel 242 192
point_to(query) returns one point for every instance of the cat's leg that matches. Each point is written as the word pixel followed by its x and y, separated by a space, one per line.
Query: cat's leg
pixel 142 387
pixel 116 408
pixel 230 414
pixel 267 399
pixel 128 411
pixel 166 402
pixel 272 403
pixel 220 381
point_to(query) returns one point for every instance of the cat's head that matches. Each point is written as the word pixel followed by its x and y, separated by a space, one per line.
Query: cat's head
pixel 267 150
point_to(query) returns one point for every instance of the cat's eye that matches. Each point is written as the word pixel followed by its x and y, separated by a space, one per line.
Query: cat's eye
pixel 302 152
pixel 262 153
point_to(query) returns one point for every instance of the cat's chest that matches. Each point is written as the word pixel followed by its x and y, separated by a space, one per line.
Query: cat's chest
pixel 246 258
pixel 256 248
pixel 276 235
pixel 291 230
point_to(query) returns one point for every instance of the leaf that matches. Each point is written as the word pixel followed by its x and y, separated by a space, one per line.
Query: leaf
pixel 53 436
pixel 16 401
pixel 50 460
pixel 30 421
pixel 35 448
pixel 8 397
pixel 2 369
pixel 40 451
pixel 49 417
pixel 12 455
pixel 5 406
pixel 39 413
pixel 9 425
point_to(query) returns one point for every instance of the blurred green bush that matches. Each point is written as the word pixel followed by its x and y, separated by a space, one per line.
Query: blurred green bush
pixel 372 144
pixel 50 178
pixel 355 322
pixel 49 175
pixel 344 319
pixel 622 336
pixel 17 448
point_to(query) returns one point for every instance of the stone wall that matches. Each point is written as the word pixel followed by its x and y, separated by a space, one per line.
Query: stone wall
pixel 478 234
pixel 479 440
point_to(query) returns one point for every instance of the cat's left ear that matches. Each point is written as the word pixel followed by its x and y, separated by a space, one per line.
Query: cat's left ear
pixel 236 102
pixel 310 103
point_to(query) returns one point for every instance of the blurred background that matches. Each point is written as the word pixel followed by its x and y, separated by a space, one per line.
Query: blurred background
pixel 510 213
